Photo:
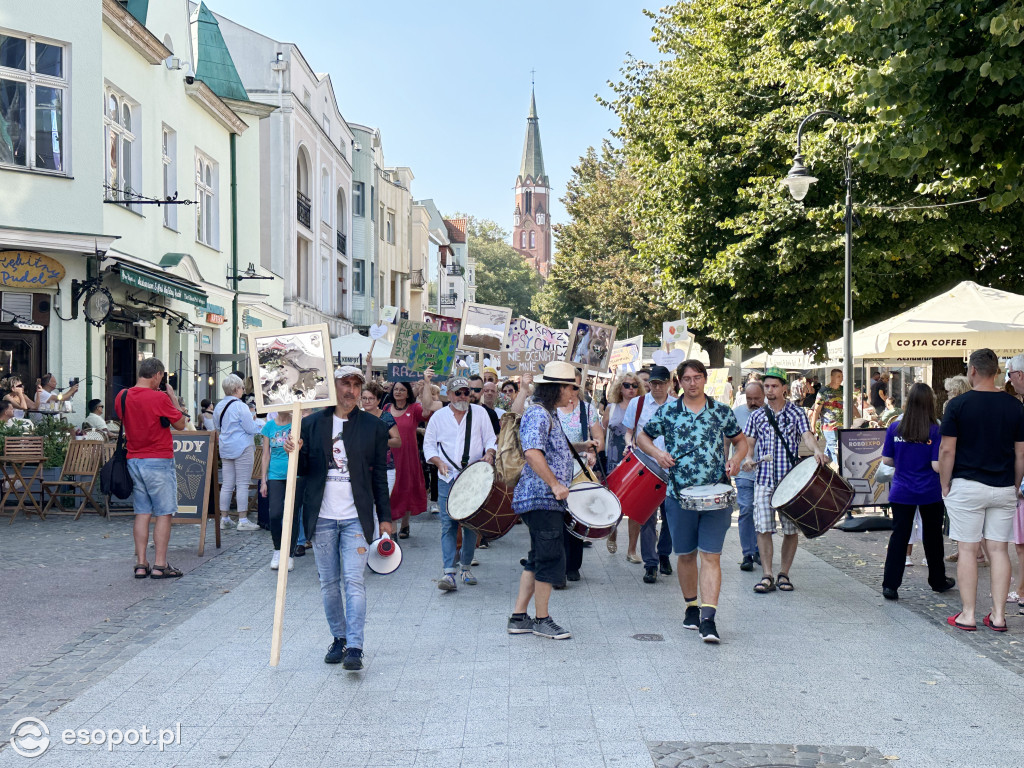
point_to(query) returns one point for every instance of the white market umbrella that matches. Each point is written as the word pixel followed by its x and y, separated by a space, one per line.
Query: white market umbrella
pixel 352 345
pixel 953 324
pixel 788 361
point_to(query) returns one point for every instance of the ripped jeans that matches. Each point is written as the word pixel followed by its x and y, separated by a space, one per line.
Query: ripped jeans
pixel 340 550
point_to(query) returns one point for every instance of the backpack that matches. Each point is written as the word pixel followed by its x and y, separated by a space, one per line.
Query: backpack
pixel 509 459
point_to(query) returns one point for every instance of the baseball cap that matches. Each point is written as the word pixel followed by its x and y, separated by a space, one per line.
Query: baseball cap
pixel 459 382
pixel 1015 363
pixel 660 373
pixel 344 371
pixel 776 373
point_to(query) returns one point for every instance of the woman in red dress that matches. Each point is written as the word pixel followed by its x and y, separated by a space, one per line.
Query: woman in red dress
pixel 410 494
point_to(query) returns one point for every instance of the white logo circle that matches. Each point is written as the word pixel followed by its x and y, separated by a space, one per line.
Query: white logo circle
pixel 30 737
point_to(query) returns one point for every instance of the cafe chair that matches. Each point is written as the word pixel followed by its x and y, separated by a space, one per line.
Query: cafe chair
pixel 20 452
pixel 77 479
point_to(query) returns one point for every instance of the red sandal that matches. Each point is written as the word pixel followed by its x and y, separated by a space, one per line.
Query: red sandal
pixel 987 621
pixel 952 621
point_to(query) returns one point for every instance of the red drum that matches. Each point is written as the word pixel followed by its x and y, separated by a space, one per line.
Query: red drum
pixel 593 511
pixel 813 496
pixel 639 484
pixel 482 502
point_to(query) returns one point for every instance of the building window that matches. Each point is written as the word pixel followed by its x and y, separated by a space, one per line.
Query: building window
pixel 206 201
pixel 358 275
pixel 540 218
pixel 169 159
pixel 522 239
pixel 33 92
pixel 325 196
pixel 528 202
pixel 121 126
pixel 373 203
pixel 381 220
pixel 302 278
pixel 358 191
pixel 533 239
pixel 325 280
pixel 373 286
pixel 391 227
pixel 327 126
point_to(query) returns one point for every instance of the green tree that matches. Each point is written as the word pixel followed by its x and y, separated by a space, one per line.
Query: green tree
pixel 503 278
pixel 709 132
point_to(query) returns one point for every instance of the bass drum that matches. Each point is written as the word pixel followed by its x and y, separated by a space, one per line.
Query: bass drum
pixel 593 511
pixel 813 496
pixel 482 502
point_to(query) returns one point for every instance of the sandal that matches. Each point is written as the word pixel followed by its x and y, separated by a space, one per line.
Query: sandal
pixel 404 533
pixel 987 621
pixel 765 585
pixel 784 586
pixel 952 621
pixel 142 570
pixel 166 572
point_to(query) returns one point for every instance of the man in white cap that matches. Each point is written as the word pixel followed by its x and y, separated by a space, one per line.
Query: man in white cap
pixel 343 460
pixel 457 436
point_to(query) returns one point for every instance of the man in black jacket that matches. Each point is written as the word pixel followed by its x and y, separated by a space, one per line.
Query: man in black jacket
pixel 343 463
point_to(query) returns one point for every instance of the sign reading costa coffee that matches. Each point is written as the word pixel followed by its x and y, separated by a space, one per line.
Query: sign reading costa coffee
pixel 28 269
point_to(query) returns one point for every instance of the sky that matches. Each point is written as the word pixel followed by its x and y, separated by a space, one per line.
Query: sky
pixel 448 83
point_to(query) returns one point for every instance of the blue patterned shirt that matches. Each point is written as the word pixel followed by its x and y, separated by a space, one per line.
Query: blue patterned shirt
pixel 792 423
pixel 695 441
pixel 541 431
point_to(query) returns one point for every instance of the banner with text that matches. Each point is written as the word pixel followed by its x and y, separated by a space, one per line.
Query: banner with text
pixel 404 372
pixel 402 348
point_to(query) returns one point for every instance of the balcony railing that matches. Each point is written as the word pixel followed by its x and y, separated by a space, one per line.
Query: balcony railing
pixel 303 207
pixel 448 300
pixel 342 242
pixel 456 269
pixel 417 279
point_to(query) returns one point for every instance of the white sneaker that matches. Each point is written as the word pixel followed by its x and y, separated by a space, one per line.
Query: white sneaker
pixel 907 564
pixel 245 524
pixel 924 562
pixel 291 563
pixel 226 523
pixel 275 561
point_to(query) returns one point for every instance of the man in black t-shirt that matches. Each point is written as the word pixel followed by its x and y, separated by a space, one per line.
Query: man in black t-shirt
pixel 981 464
pixel 879 391
pixel 476 388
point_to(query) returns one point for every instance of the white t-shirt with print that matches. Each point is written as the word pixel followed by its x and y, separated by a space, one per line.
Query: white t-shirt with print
pixel 338 503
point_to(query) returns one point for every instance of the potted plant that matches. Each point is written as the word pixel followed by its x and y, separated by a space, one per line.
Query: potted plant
pixel 57 436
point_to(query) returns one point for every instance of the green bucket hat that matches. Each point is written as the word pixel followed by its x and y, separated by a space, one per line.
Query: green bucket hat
pixel 776 373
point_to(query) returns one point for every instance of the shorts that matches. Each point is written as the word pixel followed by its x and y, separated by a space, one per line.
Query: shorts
pixel 546 558
pixel 979 511
pixel 1018 523
pixel 764 514
pixel 156 486
pixel 692 530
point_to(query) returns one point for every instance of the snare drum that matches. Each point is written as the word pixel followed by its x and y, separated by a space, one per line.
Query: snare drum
pixel 593 511
pixel 639 484
pixel 704 498
pixel 482 502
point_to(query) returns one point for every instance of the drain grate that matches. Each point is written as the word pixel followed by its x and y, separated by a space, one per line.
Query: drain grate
pixel 649 638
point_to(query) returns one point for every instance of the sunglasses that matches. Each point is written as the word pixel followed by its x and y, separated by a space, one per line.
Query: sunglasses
pixel 462 393
pixel 628 385
pixel 478 389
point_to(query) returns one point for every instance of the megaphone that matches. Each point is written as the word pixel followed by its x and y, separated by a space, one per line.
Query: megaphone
pixel 385 555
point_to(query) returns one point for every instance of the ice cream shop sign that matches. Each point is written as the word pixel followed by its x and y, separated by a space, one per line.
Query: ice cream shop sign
pixel 28 269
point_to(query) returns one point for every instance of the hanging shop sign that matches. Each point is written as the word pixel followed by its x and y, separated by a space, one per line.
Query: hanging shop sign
pixel 250 320
pixel 214 319
pixel 28 269
pixel 147 282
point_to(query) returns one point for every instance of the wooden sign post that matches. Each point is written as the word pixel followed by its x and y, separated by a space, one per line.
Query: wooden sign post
pixel 287 521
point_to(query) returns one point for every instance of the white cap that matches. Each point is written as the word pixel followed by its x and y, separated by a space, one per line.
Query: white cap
pixel 1015 363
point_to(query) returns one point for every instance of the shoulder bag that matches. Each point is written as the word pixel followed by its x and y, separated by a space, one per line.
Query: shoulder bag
pixel 115 479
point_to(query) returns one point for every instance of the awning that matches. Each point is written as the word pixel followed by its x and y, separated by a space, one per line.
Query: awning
pixel 166 285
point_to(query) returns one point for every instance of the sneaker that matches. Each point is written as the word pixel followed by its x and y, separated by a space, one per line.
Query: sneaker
pixel 692 618
pixel 665 565
pixel 336 652
pixel 447 583
pixel 546 627
pixel 709 632
pixel 353 658
pixel 226 523
pixel 291 563
pixel 483 545
pixel 468 577
pixel 650 575
pixel 748 563
pixel 908 562
pixel 572 575
pixel 523 626
pixel 245 524
pixel 475 563
pixel 275 561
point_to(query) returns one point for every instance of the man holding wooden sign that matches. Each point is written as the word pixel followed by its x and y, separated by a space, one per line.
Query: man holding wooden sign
pixel 343 456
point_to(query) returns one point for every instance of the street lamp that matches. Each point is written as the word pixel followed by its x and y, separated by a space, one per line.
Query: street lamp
pixel 799 181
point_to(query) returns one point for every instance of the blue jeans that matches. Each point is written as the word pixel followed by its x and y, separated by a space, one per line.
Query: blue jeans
pixel 340 550
pixel 450 532
pixel 650 550
pixel 831 445
pixel 745 497
pixel 155 486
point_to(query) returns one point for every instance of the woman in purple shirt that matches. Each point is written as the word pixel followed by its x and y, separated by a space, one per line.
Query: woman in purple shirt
pixel 912 447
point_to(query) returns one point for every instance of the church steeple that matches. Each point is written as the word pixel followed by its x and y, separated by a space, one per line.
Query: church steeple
pixel 532 165
pixel 531 233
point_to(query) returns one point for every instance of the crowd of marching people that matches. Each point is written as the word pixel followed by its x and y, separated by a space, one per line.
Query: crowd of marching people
pixel 392 451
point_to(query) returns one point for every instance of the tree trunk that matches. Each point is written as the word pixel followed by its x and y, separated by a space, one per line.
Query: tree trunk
pixel 942 369
pixel 716 352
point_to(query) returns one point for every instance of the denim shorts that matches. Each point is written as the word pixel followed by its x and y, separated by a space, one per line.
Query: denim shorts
pixel 692 530
pixel 156 486
pixel 546 558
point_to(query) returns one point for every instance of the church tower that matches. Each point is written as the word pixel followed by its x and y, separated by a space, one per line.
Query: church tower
pixel 531 234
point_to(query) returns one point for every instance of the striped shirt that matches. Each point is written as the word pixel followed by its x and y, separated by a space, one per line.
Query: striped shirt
pixel 792 423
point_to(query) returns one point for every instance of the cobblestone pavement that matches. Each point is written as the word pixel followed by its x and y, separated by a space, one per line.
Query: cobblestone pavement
pixel 862 556
pixel 681 754
pixel 830 664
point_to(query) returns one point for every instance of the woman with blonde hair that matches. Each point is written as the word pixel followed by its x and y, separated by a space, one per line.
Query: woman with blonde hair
pixel 623 388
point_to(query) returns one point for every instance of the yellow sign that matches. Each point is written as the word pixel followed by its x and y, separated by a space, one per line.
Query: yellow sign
pixel 28 269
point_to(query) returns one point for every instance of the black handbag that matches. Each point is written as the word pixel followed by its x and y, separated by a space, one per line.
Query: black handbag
pixel 115 479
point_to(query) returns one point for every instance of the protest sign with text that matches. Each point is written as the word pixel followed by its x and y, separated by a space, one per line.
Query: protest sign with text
pixel 404 372
pixel 402 348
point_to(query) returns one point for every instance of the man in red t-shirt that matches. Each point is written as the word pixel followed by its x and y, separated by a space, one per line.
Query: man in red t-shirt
pixel 151 413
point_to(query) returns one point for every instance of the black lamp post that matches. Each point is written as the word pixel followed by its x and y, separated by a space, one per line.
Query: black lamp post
pixel 799 181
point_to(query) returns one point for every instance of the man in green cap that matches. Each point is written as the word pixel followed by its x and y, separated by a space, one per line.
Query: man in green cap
pixel 773 441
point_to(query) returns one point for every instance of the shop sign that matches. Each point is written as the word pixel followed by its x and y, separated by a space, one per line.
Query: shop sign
pixel 251 321
pixel 214 319
pixel 205 342
pixel 215 309
pixel 28 269
pixel 164 287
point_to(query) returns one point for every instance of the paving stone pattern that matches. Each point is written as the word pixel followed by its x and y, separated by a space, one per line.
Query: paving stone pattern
pixel 701 754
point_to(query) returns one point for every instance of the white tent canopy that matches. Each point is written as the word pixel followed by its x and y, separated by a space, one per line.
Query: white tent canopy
pixel 953 324
pixel 354 344
pixel 788 361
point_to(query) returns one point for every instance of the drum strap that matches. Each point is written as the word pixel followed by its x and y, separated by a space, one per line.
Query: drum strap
pixel 775 425
pixel 465 447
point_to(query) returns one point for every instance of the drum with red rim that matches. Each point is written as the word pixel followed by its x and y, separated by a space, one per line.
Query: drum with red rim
pixel 639 484
pixel 593 512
